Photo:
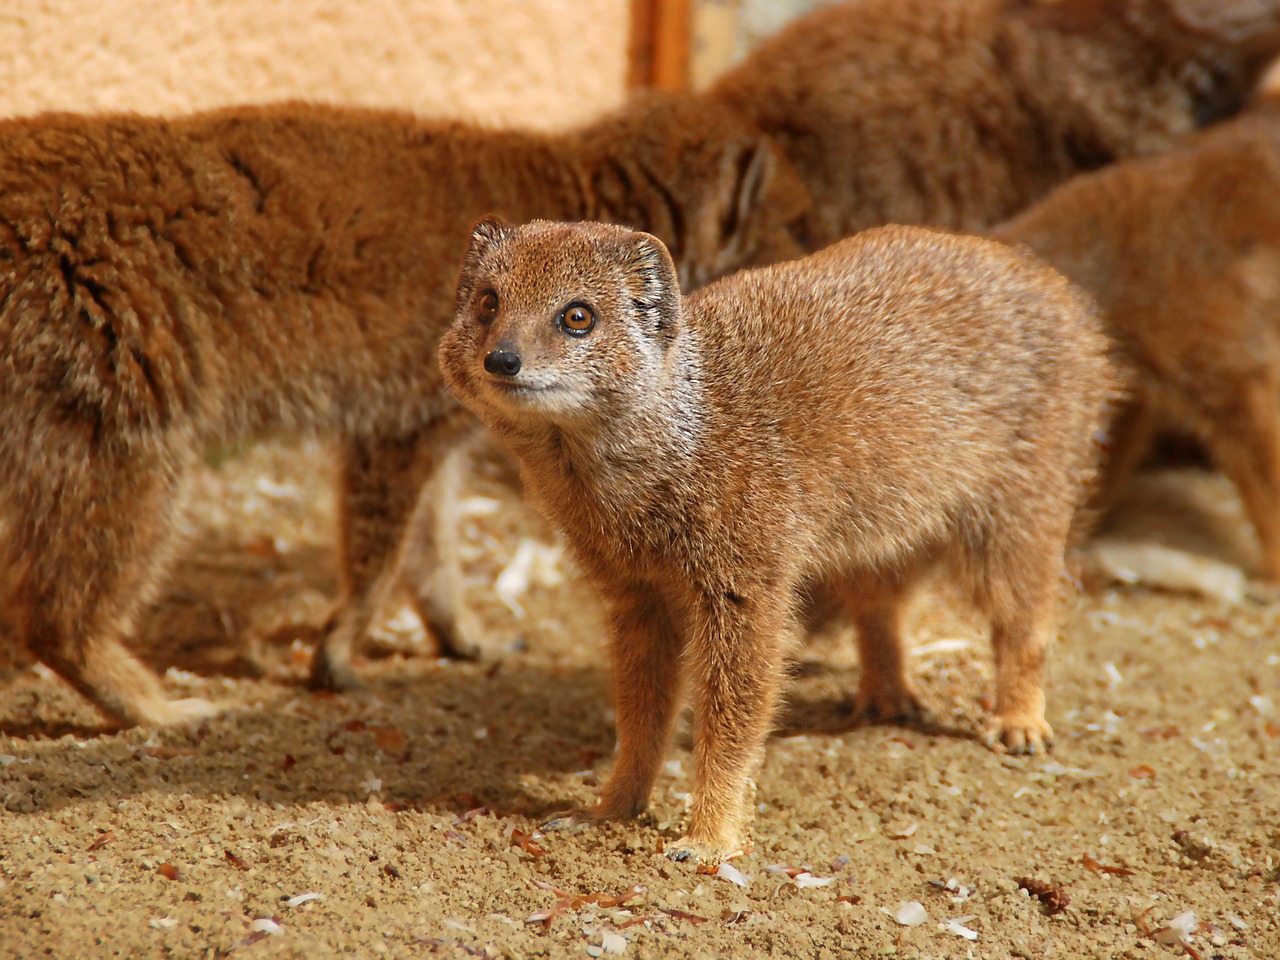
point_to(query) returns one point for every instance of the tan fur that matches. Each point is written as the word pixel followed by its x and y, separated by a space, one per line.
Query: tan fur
pixel 960 113
pixel 1182 252
pixel 169 285
pixel 898 400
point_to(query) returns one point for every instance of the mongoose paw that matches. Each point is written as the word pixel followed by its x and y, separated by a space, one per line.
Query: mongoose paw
pixel 892 704
pixel 1019 735
pixel 453 647
pixel 165 713
pixel 328 674
pixel 688 850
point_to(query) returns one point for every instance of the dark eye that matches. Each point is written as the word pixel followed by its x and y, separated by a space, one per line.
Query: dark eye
pixel 488 306
pixel 577 319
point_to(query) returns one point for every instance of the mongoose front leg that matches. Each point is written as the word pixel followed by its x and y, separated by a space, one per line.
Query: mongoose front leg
pixel 432 589
pixel 735 650
pixel 431 567
pixel 381 480
pixel 646 683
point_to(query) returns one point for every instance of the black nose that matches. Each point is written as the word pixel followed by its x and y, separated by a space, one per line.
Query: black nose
pixel 503 362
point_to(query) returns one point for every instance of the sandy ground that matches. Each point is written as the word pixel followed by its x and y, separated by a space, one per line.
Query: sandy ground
pixel 401 820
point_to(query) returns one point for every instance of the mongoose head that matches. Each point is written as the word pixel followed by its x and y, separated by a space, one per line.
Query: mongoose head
pixel 1220 48
pixel 718 191
pixel 560 323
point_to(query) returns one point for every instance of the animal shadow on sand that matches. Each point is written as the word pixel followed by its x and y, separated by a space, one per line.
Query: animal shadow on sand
pixel 443 736
pixel 437 734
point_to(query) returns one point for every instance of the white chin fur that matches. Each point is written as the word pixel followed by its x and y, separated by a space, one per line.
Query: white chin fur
pixel 528 397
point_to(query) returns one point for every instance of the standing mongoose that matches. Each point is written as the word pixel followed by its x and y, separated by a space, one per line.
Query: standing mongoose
pixel 899 400
pixel 172 285
pixel 961 113
pixel 1182 252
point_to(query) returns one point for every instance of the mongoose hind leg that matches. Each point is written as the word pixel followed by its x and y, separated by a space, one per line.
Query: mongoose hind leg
pixel 91 547
pixel 1020 601
pixel 646 678
pixel 886 692
pixel 1246 447
pixel 381 481
pixel 1018 724
pixel 1129 436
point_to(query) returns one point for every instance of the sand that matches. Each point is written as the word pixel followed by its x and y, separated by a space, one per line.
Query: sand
pixel 402 820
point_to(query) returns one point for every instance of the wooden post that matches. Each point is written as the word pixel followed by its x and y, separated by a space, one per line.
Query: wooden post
pixel 660 32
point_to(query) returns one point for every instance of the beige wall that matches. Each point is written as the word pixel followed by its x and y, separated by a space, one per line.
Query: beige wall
pixel 546 63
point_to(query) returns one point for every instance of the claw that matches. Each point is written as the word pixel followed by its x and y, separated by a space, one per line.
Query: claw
pixel 1025 736
pixel 902 706
pixel 327 674
pixel 169 712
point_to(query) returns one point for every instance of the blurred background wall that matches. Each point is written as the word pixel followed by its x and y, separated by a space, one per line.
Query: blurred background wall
pixel 542 63
pixel 545 63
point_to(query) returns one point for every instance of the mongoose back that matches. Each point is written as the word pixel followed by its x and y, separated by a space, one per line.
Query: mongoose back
pixel 168 285
pixel 960 113
pixel 1182 252
pixel 900 399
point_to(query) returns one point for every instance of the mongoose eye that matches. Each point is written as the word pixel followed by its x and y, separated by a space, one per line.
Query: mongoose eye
pixel 577 319
pixel 488 306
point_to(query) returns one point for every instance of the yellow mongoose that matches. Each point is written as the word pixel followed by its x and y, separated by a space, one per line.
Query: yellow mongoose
pixel 900 399
pixel 960 113
pixel 168 285
pixel 1182 252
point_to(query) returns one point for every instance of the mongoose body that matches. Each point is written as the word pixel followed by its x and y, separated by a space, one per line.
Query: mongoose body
pixel 960 113
pixel 898 400
pixel 1182 252
pixel 170 285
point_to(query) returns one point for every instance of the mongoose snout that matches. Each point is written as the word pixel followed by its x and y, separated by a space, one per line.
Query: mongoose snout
pixel 502 363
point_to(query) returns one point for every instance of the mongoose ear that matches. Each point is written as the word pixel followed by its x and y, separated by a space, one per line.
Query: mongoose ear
pixel 487 233
pixel 758 177
pixel 751 169
pixel 654 286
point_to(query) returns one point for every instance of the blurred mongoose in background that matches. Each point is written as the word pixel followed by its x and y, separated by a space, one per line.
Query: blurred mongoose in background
pixel 960 113
pixel 172 285
pixel 899 400
pixel 1182 252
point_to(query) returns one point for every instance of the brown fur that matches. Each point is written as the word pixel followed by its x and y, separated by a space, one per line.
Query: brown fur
pixel 960 113
pixel 169 285
pixel 900 399
pixel 1182 252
